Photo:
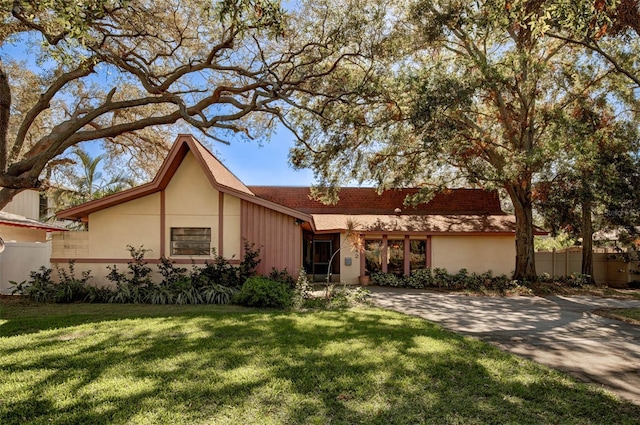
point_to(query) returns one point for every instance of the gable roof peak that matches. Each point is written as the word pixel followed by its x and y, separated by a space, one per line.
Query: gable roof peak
pixel 218 175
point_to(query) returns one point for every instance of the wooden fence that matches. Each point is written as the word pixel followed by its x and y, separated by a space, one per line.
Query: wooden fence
pixel 608 268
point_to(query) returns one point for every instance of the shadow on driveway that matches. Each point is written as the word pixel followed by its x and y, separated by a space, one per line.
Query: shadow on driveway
pixel 560 332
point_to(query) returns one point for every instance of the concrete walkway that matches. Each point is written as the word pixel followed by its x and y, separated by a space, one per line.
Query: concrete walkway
pixel 560 332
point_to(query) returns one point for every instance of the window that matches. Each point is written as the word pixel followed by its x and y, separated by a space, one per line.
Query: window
pixel 43 209
pixel 418 255
pixel 373 256
pixel 190 240
pixel 396 257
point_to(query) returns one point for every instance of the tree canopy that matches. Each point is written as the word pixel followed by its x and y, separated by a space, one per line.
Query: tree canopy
pixel 462 93
pixel 118 70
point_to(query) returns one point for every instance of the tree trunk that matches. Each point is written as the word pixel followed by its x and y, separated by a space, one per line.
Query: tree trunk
pixel 587 241
pixel 5 113
pixel 6 195
pixel 520 195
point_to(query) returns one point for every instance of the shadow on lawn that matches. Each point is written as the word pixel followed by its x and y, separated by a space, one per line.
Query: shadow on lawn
pixel 363 366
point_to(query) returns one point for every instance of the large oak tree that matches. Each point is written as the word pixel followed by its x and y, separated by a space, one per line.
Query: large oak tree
pixel 463 92
pixel 117 70
pixel 596 176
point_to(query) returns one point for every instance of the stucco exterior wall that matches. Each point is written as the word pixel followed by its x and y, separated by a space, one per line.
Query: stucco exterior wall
pixel 349 274
pixel 134 223
pixel 22 234
pixel 191 201
pixel 475 253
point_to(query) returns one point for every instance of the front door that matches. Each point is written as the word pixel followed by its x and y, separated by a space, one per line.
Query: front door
pixel 322 250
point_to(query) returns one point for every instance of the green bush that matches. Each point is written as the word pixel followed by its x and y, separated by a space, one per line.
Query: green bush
pixel 387 279
pixel 221 272
pixel 302 291
pixel 261 291
pixel 282 276
pixel 41 288
pixel 441 278
pixel 343 296
pixel 419 279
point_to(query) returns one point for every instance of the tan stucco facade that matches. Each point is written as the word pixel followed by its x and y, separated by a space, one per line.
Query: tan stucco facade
pixel 349 261
pixel 474 253
pixel 194 190
pixel 189 200
pixel 133 223
pixel 22 234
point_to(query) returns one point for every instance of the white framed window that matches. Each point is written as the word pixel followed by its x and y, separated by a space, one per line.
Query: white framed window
pixel 190 240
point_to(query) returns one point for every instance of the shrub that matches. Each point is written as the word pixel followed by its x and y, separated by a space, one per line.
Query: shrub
pixel 170 273
pixel 387 279
pixel 70 288
pixel 261 291
pixel 302 291
pixel 282 276
pixel 249 262
pixel 344 296
pixel 442 278
pixel 219 271
pixel 218 294
pixel 135 285
pixel 39 287
pixel 419 279
pixel 138 269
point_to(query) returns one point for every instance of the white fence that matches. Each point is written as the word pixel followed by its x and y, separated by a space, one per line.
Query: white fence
pixel 19 259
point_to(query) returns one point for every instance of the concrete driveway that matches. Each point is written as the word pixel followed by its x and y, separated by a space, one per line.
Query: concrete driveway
pixel 560 332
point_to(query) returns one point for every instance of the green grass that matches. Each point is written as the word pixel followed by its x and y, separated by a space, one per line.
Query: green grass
pixel 93 364
pixel 629 315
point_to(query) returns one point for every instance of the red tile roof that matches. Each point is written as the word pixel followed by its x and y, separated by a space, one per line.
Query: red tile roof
pixel 367 201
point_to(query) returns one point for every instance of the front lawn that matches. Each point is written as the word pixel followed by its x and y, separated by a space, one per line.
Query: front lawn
pixel 629 315
pixel 92 364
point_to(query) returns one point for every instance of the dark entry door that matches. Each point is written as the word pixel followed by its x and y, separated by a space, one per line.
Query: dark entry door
pixel 322 250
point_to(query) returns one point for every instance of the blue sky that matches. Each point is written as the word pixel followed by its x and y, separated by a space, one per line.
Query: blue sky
pixel 253 164
pixel 266 165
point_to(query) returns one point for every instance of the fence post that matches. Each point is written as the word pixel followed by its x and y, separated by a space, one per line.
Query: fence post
pixel 553 262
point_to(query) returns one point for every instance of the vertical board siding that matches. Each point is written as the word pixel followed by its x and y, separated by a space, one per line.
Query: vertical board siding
pixel 277 236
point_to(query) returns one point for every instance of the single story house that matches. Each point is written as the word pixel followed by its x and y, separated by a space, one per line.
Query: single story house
pixel 195 205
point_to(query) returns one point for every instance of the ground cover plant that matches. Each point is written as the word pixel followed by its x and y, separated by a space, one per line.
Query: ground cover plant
pixel 216 282
pixel 147 364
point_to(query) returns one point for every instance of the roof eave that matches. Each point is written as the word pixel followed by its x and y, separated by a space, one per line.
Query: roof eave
pixel 34 226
